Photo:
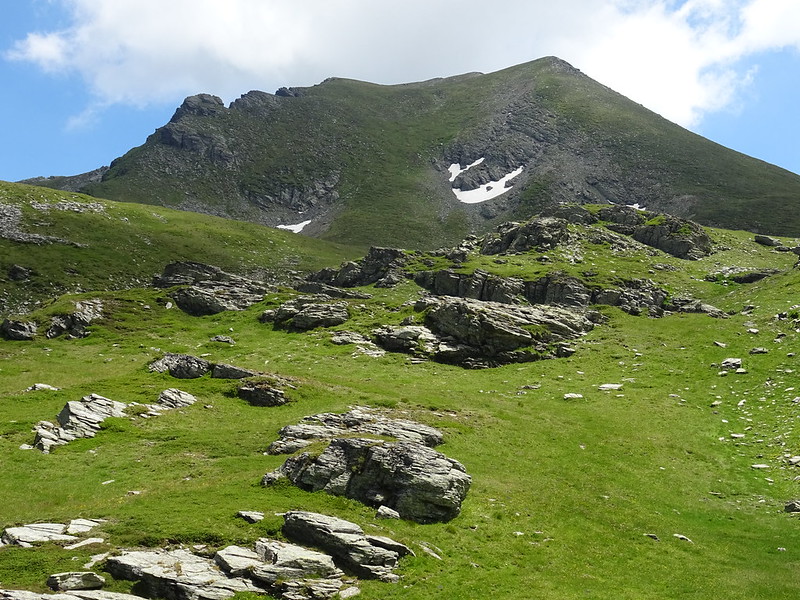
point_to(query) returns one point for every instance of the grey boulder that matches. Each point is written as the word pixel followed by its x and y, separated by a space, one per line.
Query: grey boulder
pixel 75 580
pixel 18 330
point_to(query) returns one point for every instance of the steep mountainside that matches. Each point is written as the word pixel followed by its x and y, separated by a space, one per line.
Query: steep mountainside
pixel 368 164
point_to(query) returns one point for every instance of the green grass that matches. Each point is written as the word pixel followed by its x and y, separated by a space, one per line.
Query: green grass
pixel 563 492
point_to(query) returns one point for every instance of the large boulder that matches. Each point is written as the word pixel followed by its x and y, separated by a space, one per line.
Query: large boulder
pixel 181 366
pixel 365 556
pixel 75 580
pixel 418 482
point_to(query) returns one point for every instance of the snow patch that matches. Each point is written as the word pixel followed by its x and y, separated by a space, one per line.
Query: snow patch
pixel 490 190
pixel 295 228
pixel 456 170
pixel 637 206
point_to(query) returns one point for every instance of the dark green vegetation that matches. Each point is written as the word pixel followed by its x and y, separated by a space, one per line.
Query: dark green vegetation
pixel 119 245
pixel 563 492
pixel 368 163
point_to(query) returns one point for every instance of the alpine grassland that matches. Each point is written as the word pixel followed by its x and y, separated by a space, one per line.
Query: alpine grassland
pixel 637 492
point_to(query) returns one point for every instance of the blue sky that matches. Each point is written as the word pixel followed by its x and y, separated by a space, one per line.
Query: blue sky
pixel 86 80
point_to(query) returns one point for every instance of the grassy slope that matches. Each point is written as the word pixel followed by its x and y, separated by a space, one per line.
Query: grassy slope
pixel 582 481
pixel 126 244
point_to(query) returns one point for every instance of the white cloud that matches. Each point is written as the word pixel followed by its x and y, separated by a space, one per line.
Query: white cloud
pixel 681 58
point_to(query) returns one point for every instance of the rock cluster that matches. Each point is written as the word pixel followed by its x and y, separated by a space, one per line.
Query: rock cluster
pixel 40 533
pixel 208 290
pixel 285 570
pixel 407 475
pixel 18 330
pixel 83 418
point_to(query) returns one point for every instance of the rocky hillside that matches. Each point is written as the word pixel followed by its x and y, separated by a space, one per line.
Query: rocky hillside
pixel 422 165
pixel 597 401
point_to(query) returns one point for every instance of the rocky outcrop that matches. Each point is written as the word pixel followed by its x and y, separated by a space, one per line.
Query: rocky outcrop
pixel 418 482
pixel 18 330
pixel 381 266
pixel 74 325
pixel 208 290
pixel 79 419
pixel 29 535
pixel 358 421
pixel 308 312
pixel 540 233
pixel 262 393
pixel 474 333
pixel 478 285
pixel 679 237
pixel 369 557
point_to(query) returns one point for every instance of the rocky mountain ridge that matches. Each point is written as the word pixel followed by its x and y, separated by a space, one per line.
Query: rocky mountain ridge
pixel 339 159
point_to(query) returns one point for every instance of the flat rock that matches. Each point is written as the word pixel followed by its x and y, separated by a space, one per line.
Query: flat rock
pixel 36 533
pixel 251 516
pixel 75 580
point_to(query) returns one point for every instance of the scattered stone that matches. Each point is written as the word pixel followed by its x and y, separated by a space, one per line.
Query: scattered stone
pixel 759 351
pixel 418 482
pixel 172 398
pixel 573 396
pixel 794 461
pixel 87 542
pixel 251 516
pixel 766 240
pixel 652 536
pixel 610 387
pixel 760 466
pixel 730 364
pixel 75 580
pixel 737 436
pixel 426 548
pixel 720 344
pixel 350 592
pixel 384 512
pixel 83 525
pixel 18 330
pixel 38 387
pixel 682 537
pixel 224 339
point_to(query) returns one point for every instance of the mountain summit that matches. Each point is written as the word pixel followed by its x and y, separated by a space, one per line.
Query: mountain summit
pixel 423 164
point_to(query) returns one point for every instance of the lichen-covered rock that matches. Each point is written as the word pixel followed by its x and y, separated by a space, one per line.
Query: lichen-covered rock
pixel 181 366
pixel 418 482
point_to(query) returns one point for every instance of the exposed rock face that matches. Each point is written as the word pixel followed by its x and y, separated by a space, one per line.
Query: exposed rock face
pixel 18 330
pixel 71 595
pixel 75 324
pixel 381 266
pixel 478 285
pixel 360 420
pixel 540 233
pixel 418 482
pixel 77 420
pixel 367 557
pixel 207 289
pixel 308 312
